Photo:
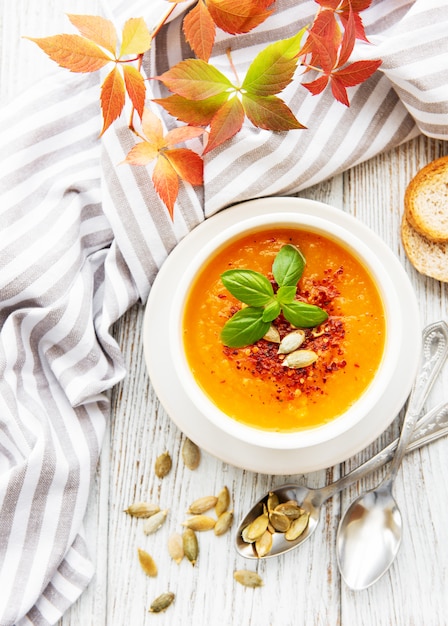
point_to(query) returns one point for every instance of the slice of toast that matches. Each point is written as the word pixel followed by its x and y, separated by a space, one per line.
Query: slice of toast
pixel 427 256
pixel 426 201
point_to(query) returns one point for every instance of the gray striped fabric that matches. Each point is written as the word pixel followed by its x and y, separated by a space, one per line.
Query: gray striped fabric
pixel 82 238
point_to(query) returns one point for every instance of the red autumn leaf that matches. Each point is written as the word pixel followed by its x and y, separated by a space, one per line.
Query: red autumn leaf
pixel 197 113
pixel 357 72
pixel 112 97
pixel 135 87
pixel 142 153
pixel 200 31
pixel 360 33
pixel 237 17
pixel 338 90
pixel 187 164
pixel 329 4
pixel 225 124
pixel 270 113
pixel 325 51
pixel 317 86
pixel 324 25
pixel 97 29
pixel 348 40
pixel 356 5
pixel 73 52
pixel 166 183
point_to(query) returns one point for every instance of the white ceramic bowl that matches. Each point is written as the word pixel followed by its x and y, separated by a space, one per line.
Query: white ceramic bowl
pixel 251 448
pixel 362 408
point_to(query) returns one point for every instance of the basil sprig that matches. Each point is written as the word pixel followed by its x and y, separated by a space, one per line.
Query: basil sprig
pixel 263 305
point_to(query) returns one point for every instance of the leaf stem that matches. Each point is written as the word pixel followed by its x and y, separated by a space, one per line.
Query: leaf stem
pixel 229 56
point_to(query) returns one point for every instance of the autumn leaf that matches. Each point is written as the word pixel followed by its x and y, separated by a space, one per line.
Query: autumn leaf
pixel 170 163
pixel 73 52
pixel 93 49
pixel 231 16
pixel 206 97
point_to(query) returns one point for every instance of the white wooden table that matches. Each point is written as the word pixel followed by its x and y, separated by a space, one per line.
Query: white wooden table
pixel 303 587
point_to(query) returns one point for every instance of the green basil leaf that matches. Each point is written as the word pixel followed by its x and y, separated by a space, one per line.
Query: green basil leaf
pixel 304 315
pixel 271 311
pixel 250 287
pixel 288 266
pixel 244 328
pixel 286 294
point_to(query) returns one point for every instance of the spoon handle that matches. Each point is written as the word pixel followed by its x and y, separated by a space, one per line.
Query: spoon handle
pixel 434 353
pixel 432 426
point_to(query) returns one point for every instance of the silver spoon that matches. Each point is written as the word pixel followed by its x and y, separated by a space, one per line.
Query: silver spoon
pixel 430 427
pixel 369 533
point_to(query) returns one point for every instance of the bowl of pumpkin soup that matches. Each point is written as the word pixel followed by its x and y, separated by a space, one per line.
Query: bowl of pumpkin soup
pixel 283 330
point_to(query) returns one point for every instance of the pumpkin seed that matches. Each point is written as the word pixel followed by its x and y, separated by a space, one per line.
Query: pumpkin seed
pixel 291 509
pixel 191 546
pixel 263 545
pixel 162 602
pixel 200 522
pixel 176 547
pixel 222 501
pixel 201 505
pixel 223 523
pixel 297 527
pixel 300 358
pixel 147 562
pixel 291 342
pixel 272 335
pixel 247 578
pixel 154 522
pixel 272 502
pixel 142 509
pixel 279 521
pixel 163 465
pixel 257 527
pixel 191 454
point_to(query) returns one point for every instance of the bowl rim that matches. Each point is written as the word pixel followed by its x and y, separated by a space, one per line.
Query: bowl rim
pixel 364 405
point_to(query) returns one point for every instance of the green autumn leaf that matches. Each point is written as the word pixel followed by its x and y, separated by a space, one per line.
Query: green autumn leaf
pixel 270 113
pixel 195 79
pixel 273 68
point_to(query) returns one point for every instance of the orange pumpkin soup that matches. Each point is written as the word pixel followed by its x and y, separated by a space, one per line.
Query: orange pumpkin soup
pixel 251 384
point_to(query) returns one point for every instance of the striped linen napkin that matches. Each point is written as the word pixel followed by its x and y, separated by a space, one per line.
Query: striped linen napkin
pixel 81 239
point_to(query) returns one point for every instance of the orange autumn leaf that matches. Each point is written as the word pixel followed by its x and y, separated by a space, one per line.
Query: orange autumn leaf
pixel 170 163
pixel 112 97
pixel 200 30
pixel 73 52
pixel 97 29
pixel 135 87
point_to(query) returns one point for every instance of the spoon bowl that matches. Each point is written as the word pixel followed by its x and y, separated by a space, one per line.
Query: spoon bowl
pixel 369 533
pixel 431 426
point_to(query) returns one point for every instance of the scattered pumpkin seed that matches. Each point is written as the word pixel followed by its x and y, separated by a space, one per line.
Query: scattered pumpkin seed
pixel 291 342
pixel 162 602
pixel 154 522
pixel 201 505
pixel 142 509
pixel 191 454
pixel 191 546
pixel 223 523
pixel 200 522
pixel 247 578
pixel 297 527
pixel 176 547
pixel 147 562
pixel 222 501
pixel 300 358
pixel 163 465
